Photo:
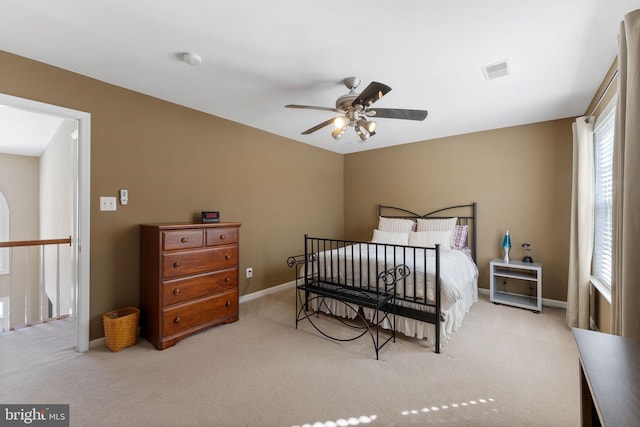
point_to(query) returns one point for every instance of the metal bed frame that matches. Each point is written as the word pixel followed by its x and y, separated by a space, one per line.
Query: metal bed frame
pixel 379 299
pixel 470 219
pixel 323 277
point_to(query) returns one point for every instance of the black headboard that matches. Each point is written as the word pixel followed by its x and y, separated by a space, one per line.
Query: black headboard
pixel 467 215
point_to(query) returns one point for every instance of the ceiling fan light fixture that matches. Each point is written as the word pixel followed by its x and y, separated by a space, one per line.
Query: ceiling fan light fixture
pixel 340 123
pixel 362 133
pixel 370 127
pixel 337 133
pixel 355 111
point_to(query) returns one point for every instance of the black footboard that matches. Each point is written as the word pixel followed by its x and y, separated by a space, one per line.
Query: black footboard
pixel 354 273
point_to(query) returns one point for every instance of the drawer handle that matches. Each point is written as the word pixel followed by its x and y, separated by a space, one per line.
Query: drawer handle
pixel 227 280
pixel 177 319
pixel 227 304
pixel 227 257
pixel 176 291
pixel 222 237
pixel 177 264
pixel 184 239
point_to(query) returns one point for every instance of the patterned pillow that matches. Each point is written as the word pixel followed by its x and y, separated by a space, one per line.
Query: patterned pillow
pixel 460 236
pixel 439 224
pixel 397 225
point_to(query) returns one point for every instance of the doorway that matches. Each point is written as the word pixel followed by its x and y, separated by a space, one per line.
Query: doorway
pixel 81 165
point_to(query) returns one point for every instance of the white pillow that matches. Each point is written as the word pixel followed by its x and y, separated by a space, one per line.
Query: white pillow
pixel 429 239
pixel 397 225
pixel 390 238
pixel 439 224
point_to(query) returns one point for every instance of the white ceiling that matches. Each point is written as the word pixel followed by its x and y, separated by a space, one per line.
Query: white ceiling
pixel 261 55
pixel 25 133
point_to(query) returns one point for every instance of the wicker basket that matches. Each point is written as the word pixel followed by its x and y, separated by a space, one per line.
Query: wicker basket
pixel 121 327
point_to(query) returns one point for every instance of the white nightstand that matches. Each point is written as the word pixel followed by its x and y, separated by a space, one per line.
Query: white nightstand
pixel 527 271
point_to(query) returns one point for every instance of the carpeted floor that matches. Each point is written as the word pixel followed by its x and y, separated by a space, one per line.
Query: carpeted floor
pixel 505 367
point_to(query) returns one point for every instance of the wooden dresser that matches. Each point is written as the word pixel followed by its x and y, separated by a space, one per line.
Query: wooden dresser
pixel 189 279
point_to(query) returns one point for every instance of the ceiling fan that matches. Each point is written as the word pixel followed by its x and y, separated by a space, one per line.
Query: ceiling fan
pixel 356 112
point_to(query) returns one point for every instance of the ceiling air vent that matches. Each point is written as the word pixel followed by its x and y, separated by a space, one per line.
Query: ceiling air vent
pixel 494 71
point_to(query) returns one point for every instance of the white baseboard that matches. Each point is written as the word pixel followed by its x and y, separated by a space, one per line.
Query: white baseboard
pixel 267 291
pixel 545 301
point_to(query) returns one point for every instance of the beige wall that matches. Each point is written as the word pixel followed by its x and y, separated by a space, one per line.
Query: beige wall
pixel 56 206
pixel 176 162
pixel 23 199
pixel 19 182
pixel 519 176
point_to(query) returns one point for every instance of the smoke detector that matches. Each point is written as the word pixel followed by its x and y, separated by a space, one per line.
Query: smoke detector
pixel 497 70
pixel 192 58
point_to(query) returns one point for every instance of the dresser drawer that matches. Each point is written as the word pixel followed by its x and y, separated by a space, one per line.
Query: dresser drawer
pixel 182 239
pixel 189 279
pixel 180 290
pixel 200 313
pixel 222 236
pixel 183 263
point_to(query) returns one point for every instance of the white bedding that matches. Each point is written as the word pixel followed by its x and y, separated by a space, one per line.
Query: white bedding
pixel 458 279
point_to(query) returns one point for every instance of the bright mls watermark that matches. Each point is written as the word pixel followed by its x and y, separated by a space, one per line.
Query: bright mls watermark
pixel 34 415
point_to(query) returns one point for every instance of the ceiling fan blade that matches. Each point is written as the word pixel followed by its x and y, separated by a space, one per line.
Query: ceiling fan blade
pixel 319 126
pixel 371 94
pixel 396 113
pixel 311 107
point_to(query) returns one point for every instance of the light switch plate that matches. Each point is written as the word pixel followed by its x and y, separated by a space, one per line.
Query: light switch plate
pixel 107 203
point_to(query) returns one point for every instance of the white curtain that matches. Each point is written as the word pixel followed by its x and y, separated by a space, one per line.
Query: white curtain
pixel 625 286
pixel 581 237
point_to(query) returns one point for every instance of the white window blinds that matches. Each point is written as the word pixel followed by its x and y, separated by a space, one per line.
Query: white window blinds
pixel 603 196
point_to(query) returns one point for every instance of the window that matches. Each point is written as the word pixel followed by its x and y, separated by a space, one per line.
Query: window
pixel 4 234
pixel 603 194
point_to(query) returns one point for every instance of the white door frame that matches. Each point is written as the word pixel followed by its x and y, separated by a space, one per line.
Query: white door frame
pixel 82 206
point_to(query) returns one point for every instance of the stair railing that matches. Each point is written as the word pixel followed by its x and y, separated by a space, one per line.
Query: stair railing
pixel 46 310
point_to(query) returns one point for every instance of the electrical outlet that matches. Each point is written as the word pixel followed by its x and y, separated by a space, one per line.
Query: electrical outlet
pixel 249 272
pixel 107 203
